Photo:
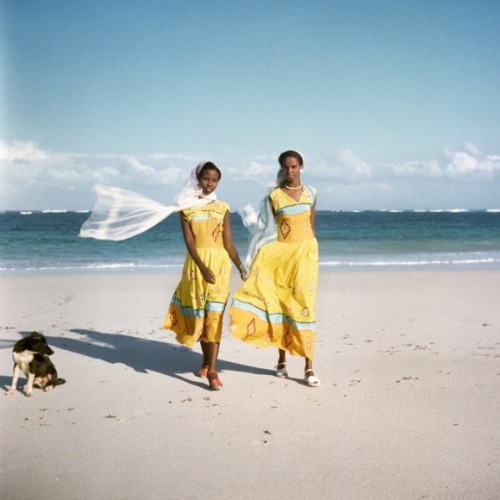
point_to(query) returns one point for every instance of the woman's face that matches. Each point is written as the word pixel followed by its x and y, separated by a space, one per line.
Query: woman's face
pixel 291 169
pixel 209 179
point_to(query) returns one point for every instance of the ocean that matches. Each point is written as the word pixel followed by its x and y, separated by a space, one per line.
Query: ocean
pixel 47 242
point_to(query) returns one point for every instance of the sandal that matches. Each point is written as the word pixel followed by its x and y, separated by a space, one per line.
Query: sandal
pixel 281 371
pixel 312 380
pixel 213 380
pixel 202 372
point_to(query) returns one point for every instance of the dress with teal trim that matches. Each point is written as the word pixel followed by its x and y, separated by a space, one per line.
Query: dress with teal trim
pixel 197 307
pixel 276 306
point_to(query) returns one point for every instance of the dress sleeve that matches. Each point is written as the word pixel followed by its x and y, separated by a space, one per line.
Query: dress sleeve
pixel 312 192
pixel 185 215
pixel 273 198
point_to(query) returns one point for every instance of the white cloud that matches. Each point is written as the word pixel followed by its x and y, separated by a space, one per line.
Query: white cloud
pixel 355 166
pixel 461 163
pixel 65 175
pixel 472 148
pixel 455 165
pixel 261 170
pixel 491 164
pixel 143 172
pixel 343 166
pixel 470 162
pixel 105 173
pixel 31 177
pixel 428 168
pixel 27 164
pixel 19 151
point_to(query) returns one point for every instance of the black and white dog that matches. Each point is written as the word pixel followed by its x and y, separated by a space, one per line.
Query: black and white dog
pixel 31 356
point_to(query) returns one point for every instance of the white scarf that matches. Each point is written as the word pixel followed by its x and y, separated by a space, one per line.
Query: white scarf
pixel 119 214
pixel 259 219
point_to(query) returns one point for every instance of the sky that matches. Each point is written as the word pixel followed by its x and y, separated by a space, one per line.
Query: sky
pixel 394 104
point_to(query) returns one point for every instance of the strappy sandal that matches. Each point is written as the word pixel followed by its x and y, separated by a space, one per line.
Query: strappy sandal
pixel 312 380
pixel 202 372
pixel 213 380
pixel 281 371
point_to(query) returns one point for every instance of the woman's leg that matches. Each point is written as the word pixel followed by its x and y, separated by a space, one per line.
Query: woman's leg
pixel 281 370
pixel 282 356
pixel 212 350
pixel 212 353
pixel 309 364
pixel 205 365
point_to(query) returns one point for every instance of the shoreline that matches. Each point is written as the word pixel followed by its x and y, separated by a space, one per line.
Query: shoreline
pixel 409 362
pixel 489 265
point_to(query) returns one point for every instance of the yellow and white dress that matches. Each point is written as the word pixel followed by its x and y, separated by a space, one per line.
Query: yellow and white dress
pixel 197 307
pixel 276 306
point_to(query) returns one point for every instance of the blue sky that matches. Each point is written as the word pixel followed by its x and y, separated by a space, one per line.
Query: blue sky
pixel 394 104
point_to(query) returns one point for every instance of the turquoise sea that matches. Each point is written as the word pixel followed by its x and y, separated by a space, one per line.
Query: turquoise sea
pixel 47 242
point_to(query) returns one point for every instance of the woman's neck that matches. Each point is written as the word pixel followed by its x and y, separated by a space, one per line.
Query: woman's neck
pixel 293 186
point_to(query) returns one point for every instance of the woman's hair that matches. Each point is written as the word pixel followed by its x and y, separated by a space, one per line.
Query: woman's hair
pixel 209 166
pixel 291 153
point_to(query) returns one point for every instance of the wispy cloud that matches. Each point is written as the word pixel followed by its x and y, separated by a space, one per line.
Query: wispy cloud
pixel 20 151
pixel 342 166
pixel 467 163
pixel 471 162
pixel 27 163
pixel 29 174
pixel 429 168
pixel 261 169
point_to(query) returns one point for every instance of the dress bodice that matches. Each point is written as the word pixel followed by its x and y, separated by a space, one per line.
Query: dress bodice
pixel 207 224
pixel 293 218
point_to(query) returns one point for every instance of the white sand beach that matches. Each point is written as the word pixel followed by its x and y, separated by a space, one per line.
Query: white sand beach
pixel 408 407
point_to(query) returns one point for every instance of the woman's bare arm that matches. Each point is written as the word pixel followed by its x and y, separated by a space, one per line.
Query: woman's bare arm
pixel 207 273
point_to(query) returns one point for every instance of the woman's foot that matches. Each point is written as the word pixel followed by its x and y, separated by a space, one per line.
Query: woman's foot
pixel 213 380
pixel 281 371
pixel 311 379
pixel 202 372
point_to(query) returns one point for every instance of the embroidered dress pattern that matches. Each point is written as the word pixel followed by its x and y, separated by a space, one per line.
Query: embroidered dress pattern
pixel 197 307
pixel 276 304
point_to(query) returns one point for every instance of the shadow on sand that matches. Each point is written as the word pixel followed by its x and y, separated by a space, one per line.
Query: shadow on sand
pixel 143 355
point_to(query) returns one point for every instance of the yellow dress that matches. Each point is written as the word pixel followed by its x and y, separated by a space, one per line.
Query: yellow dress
pixel 197 307
pixel 276 306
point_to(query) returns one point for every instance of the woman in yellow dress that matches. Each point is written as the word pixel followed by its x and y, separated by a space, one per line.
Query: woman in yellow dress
pixel 198 304
pixel 276 306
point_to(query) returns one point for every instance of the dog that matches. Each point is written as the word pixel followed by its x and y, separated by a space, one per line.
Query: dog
pixel 31 356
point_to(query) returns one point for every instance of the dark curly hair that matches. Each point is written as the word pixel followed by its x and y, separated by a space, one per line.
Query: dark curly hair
pixel 210 166
pixel 291 153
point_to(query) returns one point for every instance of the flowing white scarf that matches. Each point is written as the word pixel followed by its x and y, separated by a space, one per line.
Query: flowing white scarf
pixel 119 214
pixel 259 219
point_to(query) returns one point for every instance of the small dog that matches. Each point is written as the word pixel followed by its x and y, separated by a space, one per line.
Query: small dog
pixel 31 355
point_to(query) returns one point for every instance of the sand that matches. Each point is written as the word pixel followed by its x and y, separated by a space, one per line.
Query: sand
pixel 408 407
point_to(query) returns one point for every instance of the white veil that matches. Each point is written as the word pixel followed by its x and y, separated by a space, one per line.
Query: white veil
pixel 119 214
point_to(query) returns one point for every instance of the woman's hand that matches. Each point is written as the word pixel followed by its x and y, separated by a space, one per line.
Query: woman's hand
pixel 243 273
pixel 208 275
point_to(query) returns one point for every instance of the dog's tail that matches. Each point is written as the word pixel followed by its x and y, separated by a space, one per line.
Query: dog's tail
pixel 59 381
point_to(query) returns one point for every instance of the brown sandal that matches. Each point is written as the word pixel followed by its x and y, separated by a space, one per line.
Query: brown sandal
pixel 213 380
pixel 202 372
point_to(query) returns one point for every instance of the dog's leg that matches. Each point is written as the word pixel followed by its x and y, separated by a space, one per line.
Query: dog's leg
pixel 15 378
pixel 28 388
